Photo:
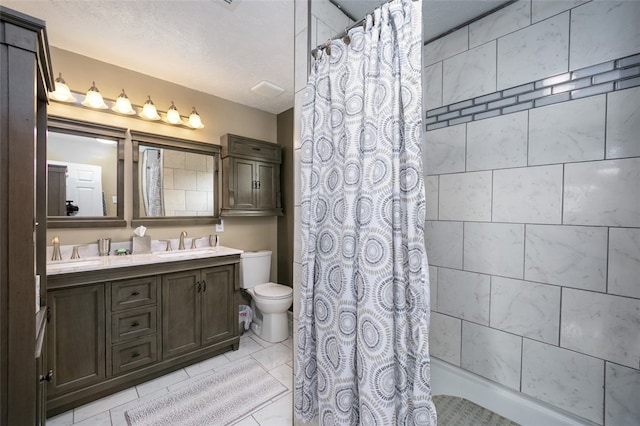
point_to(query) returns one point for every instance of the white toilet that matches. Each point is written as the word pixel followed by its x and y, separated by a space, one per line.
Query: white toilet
pixel 269 301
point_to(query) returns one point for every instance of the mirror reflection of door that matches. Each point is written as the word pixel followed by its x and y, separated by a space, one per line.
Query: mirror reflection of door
pixel 83 189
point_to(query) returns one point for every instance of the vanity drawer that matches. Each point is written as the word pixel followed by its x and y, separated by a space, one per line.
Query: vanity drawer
pixel 133 323
pixel 134 354
pixel 134 293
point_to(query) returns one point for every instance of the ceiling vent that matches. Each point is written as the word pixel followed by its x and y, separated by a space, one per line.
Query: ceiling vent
pixel 267 89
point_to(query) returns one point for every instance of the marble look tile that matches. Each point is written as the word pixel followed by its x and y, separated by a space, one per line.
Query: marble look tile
pixel 469 74
pixel 535 52
pixel 279 412
pixel 444 243
pixel 161 382
pixel 622 387
pixel 444 150
pixel 528 195
pixel 604 30
pixel 624 262
pixel 504 21
pixel 247 347
pixel 543 9
pixel 102 419
pixel 64 419
pixel 601 193
pixel 445 334
pixel 331 15
pixel 464 295
pixel 465 196
pixel 297 184
pixel 260 341
pixel 497 142
pixel 247 421
pixel 601 325
pixel 273 356
pixel 431 193
pixel 623 123
pixel 494 248
pixel 432 97
pixel 525 308
pixel 568 131
pixel 301 10
pixel 433 288
pixel 284 374
pixel 492 354
pixel 206 365
pixel 566 379
pixel 570 256
pixel 446 46
pixel 105 404
pixel 297 118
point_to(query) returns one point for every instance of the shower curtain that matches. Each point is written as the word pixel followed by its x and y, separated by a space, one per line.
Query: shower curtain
pixel 363 354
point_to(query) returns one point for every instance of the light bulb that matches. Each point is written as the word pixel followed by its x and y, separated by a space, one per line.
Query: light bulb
pixel 123 105
pixel 62 92
pixel 173 116
pixel 194 119
pixel 149 110
pixel 93 99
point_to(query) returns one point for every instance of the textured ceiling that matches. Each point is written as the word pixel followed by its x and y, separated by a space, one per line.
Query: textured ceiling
pixel 206 45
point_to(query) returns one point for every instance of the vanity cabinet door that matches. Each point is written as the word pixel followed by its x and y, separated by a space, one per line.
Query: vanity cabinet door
pixel 219 308
pixel 180 313
pixel 76 338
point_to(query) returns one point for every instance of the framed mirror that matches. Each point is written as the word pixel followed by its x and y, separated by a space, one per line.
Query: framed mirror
pixel 85 174
pixel 175 181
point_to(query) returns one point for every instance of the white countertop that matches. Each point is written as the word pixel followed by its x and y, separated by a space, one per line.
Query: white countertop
pixel 110 262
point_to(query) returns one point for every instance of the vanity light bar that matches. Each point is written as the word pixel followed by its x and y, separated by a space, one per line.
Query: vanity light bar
pixel 122 106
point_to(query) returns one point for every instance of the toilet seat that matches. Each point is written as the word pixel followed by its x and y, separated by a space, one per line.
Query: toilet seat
pixel 273 291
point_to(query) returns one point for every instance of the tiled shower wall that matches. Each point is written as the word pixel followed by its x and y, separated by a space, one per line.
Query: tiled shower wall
pixel 533 211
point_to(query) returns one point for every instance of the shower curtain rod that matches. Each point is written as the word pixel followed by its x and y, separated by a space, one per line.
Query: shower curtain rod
pixel 343 34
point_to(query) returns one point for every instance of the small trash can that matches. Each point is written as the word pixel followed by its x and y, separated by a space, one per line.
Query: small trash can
pixel 245 316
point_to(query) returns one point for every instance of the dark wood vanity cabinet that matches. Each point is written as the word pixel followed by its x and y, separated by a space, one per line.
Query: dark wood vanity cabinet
pixel 76 338
pixel 112 329
pixel 250 177
pixel 198 309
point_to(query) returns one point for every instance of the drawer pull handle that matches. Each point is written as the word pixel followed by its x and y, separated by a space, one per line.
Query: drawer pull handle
pixel 47 378
pixel 135 324
pixel 135 293
pixel 256 149
pixel 135 355
pixel 199 286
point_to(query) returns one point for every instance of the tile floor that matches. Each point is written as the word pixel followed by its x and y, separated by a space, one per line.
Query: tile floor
pixel 276 358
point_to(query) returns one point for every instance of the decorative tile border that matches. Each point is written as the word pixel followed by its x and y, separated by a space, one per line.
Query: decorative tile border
pixel 606 77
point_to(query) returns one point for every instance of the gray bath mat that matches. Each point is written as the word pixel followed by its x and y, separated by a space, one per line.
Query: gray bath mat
pixel 218 399
pixel 456 411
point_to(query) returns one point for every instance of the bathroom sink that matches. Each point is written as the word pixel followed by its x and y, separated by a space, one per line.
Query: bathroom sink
pixel 184 253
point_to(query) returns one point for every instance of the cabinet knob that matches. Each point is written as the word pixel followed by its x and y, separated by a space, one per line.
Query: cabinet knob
pixel 48 377
pixel 204 286
pixel 135 324
pixel 135 355
pixel 199 286
pixel 135 293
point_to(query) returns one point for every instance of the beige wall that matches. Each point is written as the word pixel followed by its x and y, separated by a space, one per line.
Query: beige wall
pixel 218 115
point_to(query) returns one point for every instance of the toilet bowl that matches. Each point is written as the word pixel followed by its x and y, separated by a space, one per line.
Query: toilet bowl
pixel 270 301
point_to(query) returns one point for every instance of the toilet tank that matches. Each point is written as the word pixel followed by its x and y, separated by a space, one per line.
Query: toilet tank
pixel 255 268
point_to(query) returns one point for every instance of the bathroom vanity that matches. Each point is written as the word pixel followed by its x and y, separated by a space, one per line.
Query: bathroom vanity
pixel 117 321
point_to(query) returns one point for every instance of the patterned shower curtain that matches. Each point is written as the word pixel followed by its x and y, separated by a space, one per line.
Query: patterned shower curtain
pixel 363 350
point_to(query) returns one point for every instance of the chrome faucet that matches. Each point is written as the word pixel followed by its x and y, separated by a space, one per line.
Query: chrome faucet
pixel 181 244
pixel 56 249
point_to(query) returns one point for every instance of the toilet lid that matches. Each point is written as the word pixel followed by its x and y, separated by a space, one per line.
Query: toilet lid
pixel 273 291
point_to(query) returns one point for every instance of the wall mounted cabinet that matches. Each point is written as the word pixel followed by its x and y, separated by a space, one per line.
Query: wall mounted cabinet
pixel 250 177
